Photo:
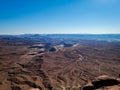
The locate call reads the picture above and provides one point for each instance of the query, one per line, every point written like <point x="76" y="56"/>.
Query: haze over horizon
<point x="60" y="16"/>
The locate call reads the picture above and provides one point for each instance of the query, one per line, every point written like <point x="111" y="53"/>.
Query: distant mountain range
<point x="101" y="37"/>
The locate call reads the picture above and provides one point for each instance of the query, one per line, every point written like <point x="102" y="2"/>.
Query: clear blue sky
<point x="59" y="16"/>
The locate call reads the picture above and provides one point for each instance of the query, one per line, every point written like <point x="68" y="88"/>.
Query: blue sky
<point x="59" y="16"/>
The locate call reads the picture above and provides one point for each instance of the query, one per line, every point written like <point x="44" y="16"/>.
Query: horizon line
<point x="64" y="34"/>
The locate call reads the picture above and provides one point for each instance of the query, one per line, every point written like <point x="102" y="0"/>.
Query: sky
<point x="59" y="16"/>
